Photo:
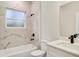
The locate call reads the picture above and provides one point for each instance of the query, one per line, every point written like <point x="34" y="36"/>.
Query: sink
<point x="74" y="46"/>
<point x="65" y="46"/>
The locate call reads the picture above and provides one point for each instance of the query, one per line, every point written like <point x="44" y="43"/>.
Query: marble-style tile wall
<point x="35" y="9"/>
<point x="11" y="37"/>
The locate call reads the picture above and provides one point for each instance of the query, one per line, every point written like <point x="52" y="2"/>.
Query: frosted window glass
<point x="15" y="18"/>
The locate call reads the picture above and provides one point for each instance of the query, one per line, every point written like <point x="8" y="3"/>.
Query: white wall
<point x="49" y="21"/>
<point x="61" y="3"/>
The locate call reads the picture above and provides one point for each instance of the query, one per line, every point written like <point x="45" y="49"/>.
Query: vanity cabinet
<point x="55" y="52"/>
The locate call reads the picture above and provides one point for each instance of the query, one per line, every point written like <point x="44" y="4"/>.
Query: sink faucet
<point x="72" y="38"/>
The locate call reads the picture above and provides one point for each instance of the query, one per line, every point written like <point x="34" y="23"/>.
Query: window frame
<point x="19" y="11"/>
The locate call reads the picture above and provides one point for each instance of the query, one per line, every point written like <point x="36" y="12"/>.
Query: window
<point x="15" y="18"/>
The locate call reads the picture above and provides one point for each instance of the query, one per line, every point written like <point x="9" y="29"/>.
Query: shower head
<point x="32" y="14"/>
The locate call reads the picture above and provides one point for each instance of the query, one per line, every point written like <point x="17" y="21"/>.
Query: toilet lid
<point x="37" y="52"/>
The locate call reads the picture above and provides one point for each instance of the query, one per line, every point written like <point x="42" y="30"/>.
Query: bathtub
<point x="20" y="51"/>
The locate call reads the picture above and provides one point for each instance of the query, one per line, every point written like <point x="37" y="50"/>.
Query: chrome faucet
<point x="72" y="38"/>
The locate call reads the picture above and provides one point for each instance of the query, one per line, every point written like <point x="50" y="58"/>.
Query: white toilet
<point x="38" y="53"/>
<point x="42" y="52"/>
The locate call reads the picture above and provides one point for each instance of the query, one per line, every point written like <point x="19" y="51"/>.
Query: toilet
<point x="38" y="53"/>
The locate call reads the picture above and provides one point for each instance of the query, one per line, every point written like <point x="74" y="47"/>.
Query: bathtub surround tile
<point x="16" y="37"/>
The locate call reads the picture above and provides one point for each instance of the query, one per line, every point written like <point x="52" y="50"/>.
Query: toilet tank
<point x="44" y="45"/>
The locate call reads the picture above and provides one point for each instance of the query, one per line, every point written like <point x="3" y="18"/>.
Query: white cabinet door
<point x="54" y="52"/>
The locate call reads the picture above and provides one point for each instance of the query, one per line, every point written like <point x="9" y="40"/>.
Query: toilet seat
<point x="38" y="53"/>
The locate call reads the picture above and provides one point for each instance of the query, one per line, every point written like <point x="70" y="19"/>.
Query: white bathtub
<point x="20" y="51"/>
